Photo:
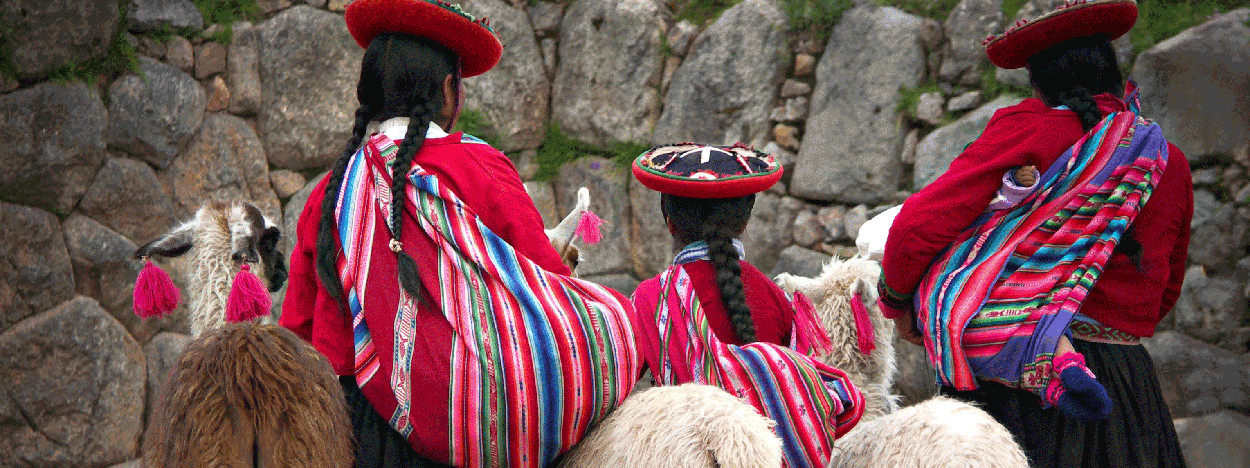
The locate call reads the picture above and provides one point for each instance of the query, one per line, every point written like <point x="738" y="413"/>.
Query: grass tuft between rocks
<point x="1158" y="20"/>
<point x="702" y="12"/>
<point x="121" y="57"/>
<point x="815" y="16"/>
<point x="226" y="13"/>
<point x="558" y="149"/>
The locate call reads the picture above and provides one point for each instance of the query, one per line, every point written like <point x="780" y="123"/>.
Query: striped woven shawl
<point x="811" y="402"/>
<point x="537" y="358"/>
<point x="994" y="304"/>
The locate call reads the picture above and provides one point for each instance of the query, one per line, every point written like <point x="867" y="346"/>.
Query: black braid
<point x="409" y="276"/>
<point x="728" y="274"/>
<point x="1080" y="101"/>
<point x="717" y="221"/>
<point x="327" y="235"/>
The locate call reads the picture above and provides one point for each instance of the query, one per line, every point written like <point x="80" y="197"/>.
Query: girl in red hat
<point x="715" y="319"/>
<point x="422" y="271"/>
<point x="1094" y="257"/>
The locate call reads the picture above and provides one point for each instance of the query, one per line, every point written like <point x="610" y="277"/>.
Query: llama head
<point x="237" y="230"/>
<point x="841" y="284"/>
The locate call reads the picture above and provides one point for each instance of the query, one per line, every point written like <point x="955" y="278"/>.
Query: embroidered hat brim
<point x="470" y="38"/>
<point x="1012" y="49"/>
<point x="725" y="171"/>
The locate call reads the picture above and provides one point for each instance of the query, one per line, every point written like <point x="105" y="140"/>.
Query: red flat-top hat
<point x="702" y="171"/>
<point x="445" y="23"/>
<point x="1077" y="18"/>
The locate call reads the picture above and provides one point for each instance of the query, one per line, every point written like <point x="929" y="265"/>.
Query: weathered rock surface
<point x="129" y="199"/>
<point x="309" y="66"/>
<point x="224" y="162"/>
<point x="513" y="97"/>
<point x="543" y="194"/>
<point x="45" y="35"/>
<point x="169" y="15"/>
<point x="1215" y="440"/>
<point x="105" y="271"/>
<point x="286" y="183"/>
<point x="151" y="117"/>
<point x="210" y="59"/>
<point x="35" y="270"/>
<point x="936" y="150"/>
<point x="74" y="389"/>
<point x="609" y="198"/>
<point x="967" y="27"/>
<point x="1219" y="238"/>
<point x="929" y="108"/>
<point x="545" y="16"/>
<point x="966" y="101"/>
<point x="179" y="53"/>
<point x="162" y="355"/>
<point x="1209" y="307"/>
<point x="53" y="138"/>
<point x="243" y="70"/>
<point x="915" y="380"/>
<point x="724" y="90"/>
<point x="770" y="229"/>
<point x="1194" y="85"/>
<point x="799" y="261"/>
<point x="609" y="66"/>
<point x="292" y="210"/>
<point x="854" y="135"/>
<point x="651" y="245"/>
<point x="1198" y="378"/>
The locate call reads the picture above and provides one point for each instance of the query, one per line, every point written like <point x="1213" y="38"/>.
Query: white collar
<point x="396" y="128"/>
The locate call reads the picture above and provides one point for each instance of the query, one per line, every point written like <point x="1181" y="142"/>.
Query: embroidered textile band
<point x="698" y="251"/>
<point x="1088" y="329"/>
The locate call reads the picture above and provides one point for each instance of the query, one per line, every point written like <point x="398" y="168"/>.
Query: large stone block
<point x="1218" y="239"/>
<point x="1198" y="378"/>
<point x="44" y="35"/>
<point x="153" y="116"/>
<point x="1210" y="307"/>
<point x="73" y="382"/>
<point x="225" y="162"/>
<point x="162" y="355"/>
<point x="915" y="380"/>
<point x="609" y="198"/>
<point x="610" y="62"/>
<point x="799" y="261"/>
<point x="936" y="151"/>
<point x="53" y="138"/>
<point x="243" y="70"/>
<point x="35" y="269"/>
<point x="968" y="25"/>
<point x="724" y="91"/>
<point x="770" y="229"/>
<point x="854" y="134"/>
<point x="650" y="243"/>
<point x="1215" y="440"/>
<point x="128" y="197"/>
<point x="170" y="15"/>
<point x="514" y="96"/>
<point x="309" y="66"/>
<point x="1194" y="85"/>
<point x="105" y="271"/>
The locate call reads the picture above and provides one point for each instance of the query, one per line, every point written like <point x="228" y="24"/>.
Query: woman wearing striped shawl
<point x="423" y="274"/>
<point x="1095" y="255"/>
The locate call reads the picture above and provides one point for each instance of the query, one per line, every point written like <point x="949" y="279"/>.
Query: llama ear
<point x="172" y="244"/>
<point x="867" y="293"/>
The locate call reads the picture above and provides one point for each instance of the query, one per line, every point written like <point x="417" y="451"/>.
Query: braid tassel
<point x="248" y="297"/>
<point x="588" y="228"/>
<point x="809" y="337"/>
<point x="155" y="293"/>
<point x="865" y="336"/>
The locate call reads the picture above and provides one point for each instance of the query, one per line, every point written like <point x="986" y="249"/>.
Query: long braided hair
<point x="400" y="76"/>
<point x="1071" y="73"/>
<point x="717" y="221"/>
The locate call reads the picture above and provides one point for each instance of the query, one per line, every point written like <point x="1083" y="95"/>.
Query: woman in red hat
<point x="1095" y="256"/>
<point x="423" y="274"/>
<point x="715" y="319"/>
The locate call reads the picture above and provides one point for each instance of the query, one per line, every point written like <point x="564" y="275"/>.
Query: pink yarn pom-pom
<point x="155" y="294"/>
<point x="588" y="228"/>
<point x="248" y="297"/>
<point x="864" y="333"/>
<point x="809" y="337"/>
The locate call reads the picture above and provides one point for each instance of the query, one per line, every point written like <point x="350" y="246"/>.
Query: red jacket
<point x="488" y="183"/>
<point x="1030" y="133"/>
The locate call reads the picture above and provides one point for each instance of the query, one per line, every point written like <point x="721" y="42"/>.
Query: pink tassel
<point x="588" y="228"/>
<point x="155" y="294"/>
<point x="248" y="297"/>
<point x="864" y="333"/>
<point x="809" y="336"/>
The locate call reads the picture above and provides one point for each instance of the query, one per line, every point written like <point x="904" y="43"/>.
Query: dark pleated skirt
<point x="377" y="444"/>
<point x="1139" y="432"/>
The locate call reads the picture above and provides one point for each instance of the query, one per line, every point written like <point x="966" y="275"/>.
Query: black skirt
<point x="377" y="443"/>
<point x="1139" y="432"/>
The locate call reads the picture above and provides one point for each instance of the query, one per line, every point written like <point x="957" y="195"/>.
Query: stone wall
<point x="95" y="168"/>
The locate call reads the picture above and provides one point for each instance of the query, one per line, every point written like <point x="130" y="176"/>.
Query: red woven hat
<point x="702" y="171"/>
<point x="1077" y="18"/>
<point x="445" y="23"/>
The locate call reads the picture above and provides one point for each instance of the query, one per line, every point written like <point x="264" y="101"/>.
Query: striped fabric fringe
<point x="811" y="402"/>
<point x="995" y="304"/>
<point x="537" y="358"/>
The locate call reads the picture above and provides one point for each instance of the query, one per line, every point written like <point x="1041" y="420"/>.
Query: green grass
<point x="1161" y="19"/>
<point x="559" y="149"/>
<point x="936" y="9"/>
<point x="703" y="11"/>
<point x="474" y="123"/>
<point x="910" y="96"/>
<point x="992" y="88"/>
<point x="120" y="57"/>
<point x="1010" y="8"/>
<point x="226" y="13"/>
<point x="815" y="16"/>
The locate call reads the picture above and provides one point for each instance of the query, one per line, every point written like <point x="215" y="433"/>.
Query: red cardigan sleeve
<point x="932" y="218"/>
<point x="1180" y="250"/>
<point x="301" y="289"/>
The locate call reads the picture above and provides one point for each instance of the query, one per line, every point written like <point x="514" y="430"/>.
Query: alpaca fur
<point x="248" y="394"/>
<point x="683" y="426"/>
<point x="221" y="239"/>
<point x="935" y="433"/>
<point x="831" y="292"/>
